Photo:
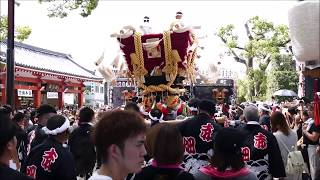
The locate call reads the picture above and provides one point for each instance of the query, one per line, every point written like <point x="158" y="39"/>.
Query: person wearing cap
<point x="227" y="162"/>
<point x="264" y="112"/>
<point x="260" y="149"/>
<point x="37" y="135"/>
<point x="8" y="151"/>
<point x="51" y="160"/>
<point x="198" y="133"/>
<point x="145" y="27"/>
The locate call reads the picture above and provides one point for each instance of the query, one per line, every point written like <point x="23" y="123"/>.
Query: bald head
<point x="251" y="113"/>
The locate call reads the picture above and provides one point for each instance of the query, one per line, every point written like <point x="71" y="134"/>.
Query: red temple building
<point x="44" y="76"/>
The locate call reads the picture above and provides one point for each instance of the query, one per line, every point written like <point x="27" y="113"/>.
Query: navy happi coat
<point x="198" y="133"/>
<point x="261" y="152"/>
<point x="50" y="161"/>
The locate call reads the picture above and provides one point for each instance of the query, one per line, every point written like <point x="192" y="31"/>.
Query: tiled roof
<point x="42" y="59"/>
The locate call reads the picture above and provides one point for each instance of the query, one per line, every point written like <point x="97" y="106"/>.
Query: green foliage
<point x="242" y="91"/>
<point x="62" y="8"/>
<point x="260" y="28"/>
<point x="283" y="75"/>
<point x="257" y="83"/>
<point x="21" y="32"/>
<point x="3" y="28"/>
<point x="266" y="43"/>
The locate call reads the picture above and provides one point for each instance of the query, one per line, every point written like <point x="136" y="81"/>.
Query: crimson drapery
<point x="316" y="103"/>
<point x="179" y="42"/>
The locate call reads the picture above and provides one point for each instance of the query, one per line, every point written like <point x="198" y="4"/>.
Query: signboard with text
<point x="24" y="93"/>
<point x="52" y="95"/>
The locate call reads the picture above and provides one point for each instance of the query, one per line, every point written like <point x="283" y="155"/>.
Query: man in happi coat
<point x="260" y="150"/>
<point x="198" y="133"/>
<point x="51" y="160"/>
<point x="37" y="135"/>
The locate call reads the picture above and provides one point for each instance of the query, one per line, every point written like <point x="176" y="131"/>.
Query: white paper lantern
<point x="304" y="30"/>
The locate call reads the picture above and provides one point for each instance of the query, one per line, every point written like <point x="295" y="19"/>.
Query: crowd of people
<point x="208" y="141"/>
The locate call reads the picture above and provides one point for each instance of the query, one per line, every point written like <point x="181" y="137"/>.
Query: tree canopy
<point x="21" y="32"/>
<point x="265" y="40"/>
<point x="266" y="43"/>
<point x="61" y="8"/>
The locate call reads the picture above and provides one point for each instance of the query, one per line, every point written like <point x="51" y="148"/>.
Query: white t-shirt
<point x="96" y="176"/>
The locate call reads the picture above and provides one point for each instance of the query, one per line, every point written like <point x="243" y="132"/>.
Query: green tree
<point x="283" y="75"/>
<point x="21" y="32"/>
<point x="61" y="8"/>
<point x="242" y="89"/>
<point x="265" y="42"/>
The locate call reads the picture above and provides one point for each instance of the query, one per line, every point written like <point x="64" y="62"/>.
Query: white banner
<point x="52" y="95"/>
<point x="24" y="93"/>
<point x="68" y="98"/>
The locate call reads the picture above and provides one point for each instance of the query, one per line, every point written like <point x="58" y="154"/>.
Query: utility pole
<point x="10" y="55"/>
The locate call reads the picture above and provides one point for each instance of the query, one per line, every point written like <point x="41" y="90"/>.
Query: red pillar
<point x="17" y="102"/>
<point x="37" y="96"/>
<point x="60" y="100"/>
<point x="80" y="97"/>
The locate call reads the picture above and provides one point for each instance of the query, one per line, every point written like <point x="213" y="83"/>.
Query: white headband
<point x="193" y="109"/>
<point x="155" y="118"/>
<point x="58" y="130"/>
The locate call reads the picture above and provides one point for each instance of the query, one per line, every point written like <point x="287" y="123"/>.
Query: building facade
<point x="42" y="76"/>
<point x="94" y="94"/>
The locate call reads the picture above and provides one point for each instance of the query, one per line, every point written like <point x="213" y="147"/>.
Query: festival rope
<point x="171" y="58"/>
<point x="160" y="88"/>
<point x="191" y="72"/>
<point x="137" y="60"/>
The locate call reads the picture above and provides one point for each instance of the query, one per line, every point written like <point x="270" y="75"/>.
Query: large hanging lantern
<point x="304" y="30"/>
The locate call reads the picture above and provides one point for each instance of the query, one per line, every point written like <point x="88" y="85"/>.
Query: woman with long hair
<point x="286" y="139"/>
